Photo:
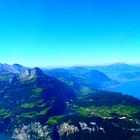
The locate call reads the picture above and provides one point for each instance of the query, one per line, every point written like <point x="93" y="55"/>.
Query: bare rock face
<point x="33" y="131"/>
<point x="30" y="73"/>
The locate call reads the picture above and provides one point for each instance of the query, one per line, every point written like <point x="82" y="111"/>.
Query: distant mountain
<point x="115" y="70"/>
<point x="82" y="79"/>
<point x="128" y="77"/>
<point x="119" y="67"/>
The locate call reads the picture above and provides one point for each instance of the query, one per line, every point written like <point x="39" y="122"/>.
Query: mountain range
<point x="127" y="75"/>
<point x="118" y="77"/>
<point x="118" y="70"/>
<point x="67" y="103"/>
<point x="81" y="79"/>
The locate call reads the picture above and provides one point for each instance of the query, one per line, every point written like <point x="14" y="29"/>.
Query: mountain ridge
<point x="36" y="105"/>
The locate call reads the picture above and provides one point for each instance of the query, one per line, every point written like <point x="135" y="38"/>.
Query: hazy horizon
<point x="68" y="33"/>
<point x="67" y="66"/>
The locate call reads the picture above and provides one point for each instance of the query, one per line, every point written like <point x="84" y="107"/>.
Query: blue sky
<point x="69" y="32"/>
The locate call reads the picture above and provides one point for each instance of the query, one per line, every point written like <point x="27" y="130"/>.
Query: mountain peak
<point x="36" y="71"/>
<point x="17" y="65"/>
<point x="30" y="73"/>
<point x="119" y="64"/>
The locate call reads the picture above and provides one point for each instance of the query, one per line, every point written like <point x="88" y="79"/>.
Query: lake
<point x="130" y="88"/>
